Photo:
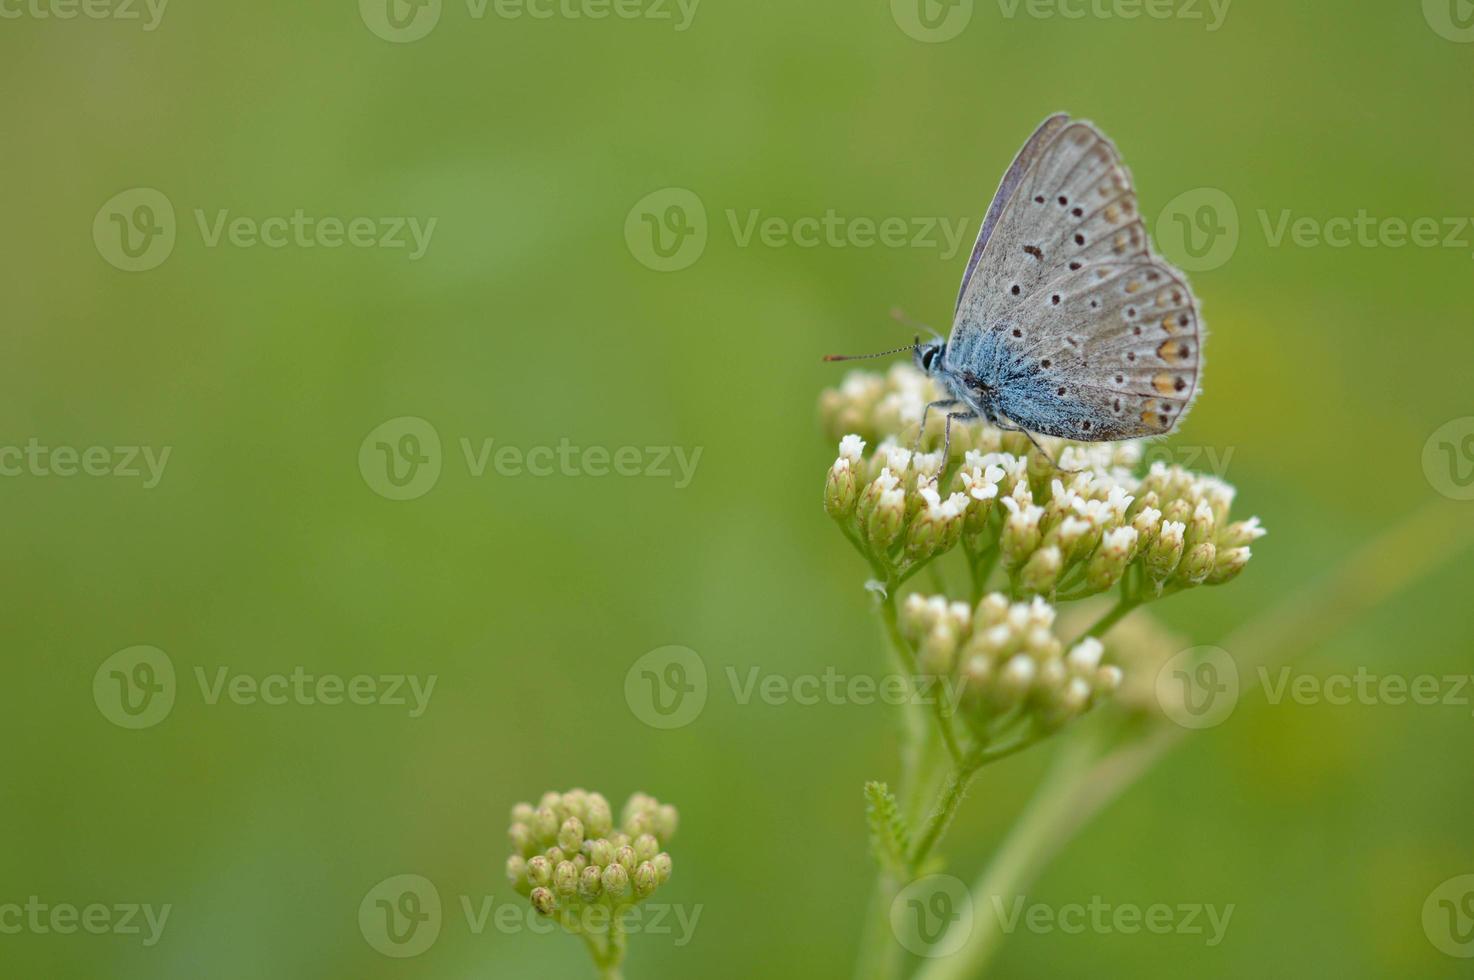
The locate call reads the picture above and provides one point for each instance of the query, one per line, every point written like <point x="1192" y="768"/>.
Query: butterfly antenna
<point x="861" y="357"/>
<point x="901" y="317"/>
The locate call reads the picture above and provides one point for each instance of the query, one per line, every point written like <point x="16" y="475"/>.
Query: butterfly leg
<point x="921" y="433"/>
<point x="947" y="432"/>
<point x="1042" y="451"/>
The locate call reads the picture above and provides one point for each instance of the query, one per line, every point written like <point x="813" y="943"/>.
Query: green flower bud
<point x="1200" y="527"/>
<point x="841" y="490"/>
<point x="1041" y="571"/>
<point x="662" y="865"/>
<point x="646" y="847"/>
<point x="1165" y="552"/>
<point x="539" y="871"/>
<point x="591" y="883"/>
<point x="1228" y="564"/>
<point x="520" y="834"/>
<point x="645" y="879"/>
<point x="616" y="881"/>
<point x="1021" y="533"/>
<point x="565" y="879"/>
<point x="599" y="819"/>
<point x="522" y="813"/>
<point x="625" y="858"/>
<point x="885" y="521"/>
<point x="600" y="852"/>
<point x="1198" y="563"/>
<point x="1109" y="562"/>
<point x="516" y="869"/>
<point x="543" y="901"/>
<point x="938" y="651"/>
<point x="545" y="826"/>
<point x="554" y="854"/>
<point x="1240" y="534"/>
<point x="570" y="835"/>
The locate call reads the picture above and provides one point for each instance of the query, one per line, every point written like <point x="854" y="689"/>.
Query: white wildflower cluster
<point x="568" y="857"/>
<point x="1066" y="531"/>
<point x="1012" y="673"/>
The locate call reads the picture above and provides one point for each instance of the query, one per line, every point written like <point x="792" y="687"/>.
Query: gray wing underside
<point x="1103" y="336"/>
<point x="1006" y="188"/>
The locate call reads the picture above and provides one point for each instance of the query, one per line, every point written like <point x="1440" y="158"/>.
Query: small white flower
<point x="1085" y="656"/>
<point x="851" y="448"/>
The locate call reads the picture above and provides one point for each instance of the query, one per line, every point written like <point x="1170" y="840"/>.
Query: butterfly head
<point x="928" y="356"/>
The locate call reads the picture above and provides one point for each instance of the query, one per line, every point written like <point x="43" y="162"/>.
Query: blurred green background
<point x="530" y="319"/>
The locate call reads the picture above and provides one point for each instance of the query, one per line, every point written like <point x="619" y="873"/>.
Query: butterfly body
<point x="1067" y="323"/>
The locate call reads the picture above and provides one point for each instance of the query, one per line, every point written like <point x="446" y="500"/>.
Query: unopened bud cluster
<point x="1009" y="669"/>
<point x="569" y="855"/>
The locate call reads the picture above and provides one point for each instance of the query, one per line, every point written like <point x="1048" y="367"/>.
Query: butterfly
<point x="1067" y="323"/>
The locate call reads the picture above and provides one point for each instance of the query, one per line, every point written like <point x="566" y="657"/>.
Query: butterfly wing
<point x="1007" y="188"/>
<point x="1097" y="337"/>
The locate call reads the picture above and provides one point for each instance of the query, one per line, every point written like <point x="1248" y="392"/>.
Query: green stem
<point x="1016" y="861"/>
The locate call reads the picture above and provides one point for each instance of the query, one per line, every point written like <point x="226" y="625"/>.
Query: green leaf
<point x="888" y="835"/>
